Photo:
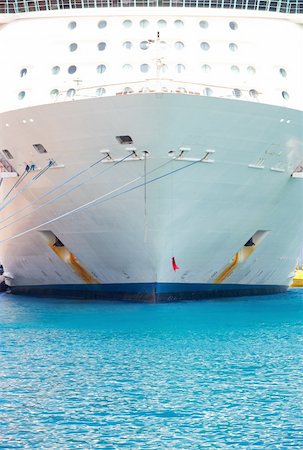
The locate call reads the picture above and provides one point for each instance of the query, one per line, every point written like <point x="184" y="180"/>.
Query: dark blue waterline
<point x="148" y="292"/>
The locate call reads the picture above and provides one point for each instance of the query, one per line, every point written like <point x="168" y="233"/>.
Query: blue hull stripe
<point x="148" y="292"/>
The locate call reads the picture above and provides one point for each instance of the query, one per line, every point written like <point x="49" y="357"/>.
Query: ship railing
<point x="155" y="85"/>
<point x="23" y="6"/>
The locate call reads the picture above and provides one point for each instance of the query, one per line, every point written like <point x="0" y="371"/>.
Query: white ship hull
<point x="201" y="215"/>
<point x="212" y="185"/>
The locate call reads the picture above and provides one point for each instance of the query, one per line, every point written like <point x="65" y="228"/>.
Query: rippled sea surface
<point x="225" y="374"/>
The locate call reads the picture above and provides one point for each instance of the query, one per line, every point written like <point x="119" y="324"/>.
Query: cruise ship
<point x="150" y="150"/>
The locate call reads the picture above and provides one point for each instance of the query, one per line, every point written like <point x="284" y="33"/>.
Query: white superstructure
<point x="138" y="138"/>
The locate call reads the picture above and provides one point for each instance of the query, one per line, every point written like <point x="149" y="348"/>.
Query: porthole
<point x="101" y="46"/>
<point x="179" y="23"/>
<point x="235" y="69"/>
<point x="73" y="47"/>
<point x="164" y="68"/>
<point x="72" y="25"/>
<point x="204" y="46"/>
<point x="285" y="95"/>
<point x="144" y="23"/>
<point x="233" y="25"/>
<point x="203" y="24"/>
<point x="21" y="95"/>
<point x="251" y="70"/>
<point x="127" y="23"/>
<point x="71" y="93"/>
<point x="237" y="93"/>
<point x="101" y="68"/>
<point x="144" y="68"/>
<point x="127" y="67"/>
<point x="72" y="69"/>
<point x="253" y="93"/>
<point x="144" y="45"/>
<point x="127" y="45"/>
<point x="163" y="45"/>
<point x="55" y="70"/>
<point x="233" y="47"/>
<point x="283" y="72"/>
<point x="206" y="68"/>
<point x="54" y="93"/>
<point x="102" y="24"/>
<point x="161" y="23"/>
<point x="208" y="92"/>
<point x="180" y="68"/>
<point x="179" y="45"/>
<point x="100" y="91"/>
<point x="23" y="72"/>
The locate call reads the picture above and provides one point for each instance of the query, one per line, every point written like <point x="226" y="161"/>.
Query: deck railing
<point x="158" y="86"/>
<point x="21" y="6"/>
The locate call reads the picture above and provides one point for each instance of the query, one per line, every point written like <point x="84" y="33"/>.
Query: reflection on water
<point x="202" y="375"/>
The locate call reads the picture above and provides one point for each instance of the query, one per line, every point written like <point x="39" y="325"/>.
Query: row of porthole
<point x="181" y="68"/>
<point x="101" y="91"/>
<point x="235" y="69"/>
<point x="144" y="23"/>
<point x="101" y="68"/>
<point x="207" y="91"/>
<point x="232" y="46"/>
<point x="145" y="45"/>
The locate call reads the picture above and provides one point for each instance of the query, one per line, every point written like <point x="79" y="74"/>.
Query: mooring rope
<point x="51" y="162"/>
<point x="99" y="200"/>
<point x="25" y="173"/>
<point x="145" y="198"/>
<point x="140" y="185"/>
<point x="58" y="187"/>
<point x="27" y="185"/>
<point x="52" y="200"/>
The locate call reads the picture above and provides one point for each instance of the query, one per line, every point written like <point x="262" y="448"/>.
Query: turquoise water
<point x="225" y="374"/>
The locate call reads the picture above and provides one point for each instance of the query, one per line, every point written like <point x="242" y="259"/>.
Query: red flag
<point x="173" y="262"/>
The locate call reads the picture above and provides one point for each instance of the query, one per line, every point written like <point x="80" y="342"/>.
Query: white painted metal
<point x="202" y="215"/>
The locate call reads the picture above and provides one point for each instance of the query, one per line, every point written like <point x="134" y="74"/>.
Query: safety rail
<point x="22" y="6"/>
<point x="158" y="86"/>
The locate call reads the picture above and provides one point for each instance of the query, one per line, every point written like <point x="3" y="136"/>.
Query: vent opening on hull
<point x="298" y="172"/>
<point x="5" y="166"/>
<point x="7" y="154"/>
<point x="39" y="148"/>
<point x="68" y="257"/>
<point x="241" y="256"/>
<point x="123" y="139"/>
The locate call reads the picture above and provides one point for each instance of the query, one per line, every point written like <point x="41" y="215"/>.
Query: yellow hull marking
<point x="228" y="270"/>
<point x="69" y="258"/>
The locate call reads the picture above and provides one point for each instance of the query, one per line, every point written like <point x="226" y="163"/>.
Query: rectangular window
<point x="124" y="139"/>
<point x="39" y="148"/>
